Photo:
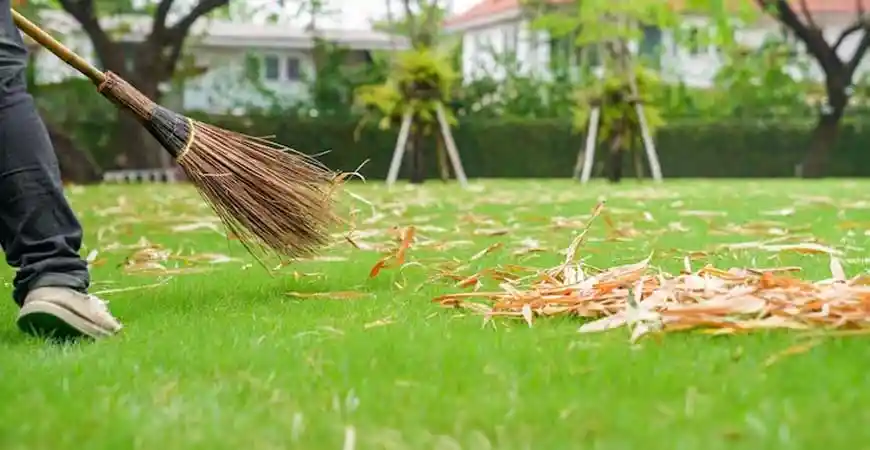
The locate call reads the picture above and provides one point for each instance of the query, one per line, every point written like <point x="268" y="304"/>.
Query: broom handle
<point x="53" y="45"/>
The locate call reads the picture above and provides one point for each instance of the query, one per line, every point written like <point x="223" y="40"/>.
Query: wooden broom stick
<point x="273" y="199"/>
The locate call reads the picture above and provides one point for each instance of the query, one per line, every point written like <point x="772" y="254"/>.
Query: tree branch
<point x="160" y="16"/>
<point x="180" y="30"/>
<point x="805" y="10"/>
<point x="860" y="50"/>
<point x="172" y="60"/>
<point x="178" y="33"/>
<point x="105" y="48"/>
<point x="411" y="21"/>
<point x="846" y="33"/>
<point x="811" y="37"/>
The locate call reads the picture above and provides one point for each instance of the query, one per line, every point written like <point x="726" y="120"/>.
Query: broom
<point x="273" y="199"/>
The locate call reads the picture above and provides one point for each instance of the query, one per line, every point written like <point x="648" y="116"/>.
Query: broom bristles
<point x="273" y="199"/>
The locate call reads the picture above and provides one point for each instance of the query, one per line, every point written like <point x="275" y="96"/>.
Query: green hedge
<point x="548" y="148"/>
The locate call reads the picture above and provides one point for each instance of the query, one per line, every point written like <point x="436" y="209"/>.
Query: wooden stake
<point x="648" y="144"/>
<point x="399" y="152"/>
<point x="452" y="152"/>
<point x="591" y="138"/>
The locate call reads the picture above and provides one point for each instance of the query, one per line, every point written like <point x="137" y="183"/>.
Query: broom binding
<point x="174" y="131"/>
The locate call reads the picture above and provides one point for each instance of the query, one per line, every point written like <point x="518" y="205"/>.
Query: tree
<point x="77" y="164"/>
<point x="604" y="28"/>
<point x="839" y="72"/>
<point x="757" y="82"/>
<point x="146" y="64"/>
<point x="421" y="79"/>
<point x="599" y="33"/>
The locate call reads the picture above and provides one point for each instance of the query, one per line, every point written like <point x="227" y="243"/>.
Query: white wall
<point x="225" y="88"/>
<point x="678" y="63"/>
<point x="531" y="49"/>
<point x="222" y="89"/>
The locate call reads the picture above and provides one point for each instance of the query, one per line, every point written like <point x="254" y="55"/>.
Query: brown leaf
<point x="791" y="351"/>
<point x="338" y="295"/>
<point x="397" y="257"/>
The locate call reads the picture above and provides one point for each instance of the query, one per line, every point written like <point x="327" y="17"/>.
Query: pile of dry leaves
<point x="648" y="301"/>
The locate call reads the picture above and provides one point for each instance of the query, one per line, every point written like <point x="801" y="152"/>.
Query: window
<point x="294" y="69"/>
<point x="509" y="34"/>
<point x="278" y="68"/>
<point x="650" y="44"/>
<point x="271" y="70"/>
<point x="694" y="43"/>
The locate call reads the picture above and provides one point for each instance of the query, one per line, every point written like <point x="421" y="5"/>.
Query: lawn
<point x="217" y="353"/>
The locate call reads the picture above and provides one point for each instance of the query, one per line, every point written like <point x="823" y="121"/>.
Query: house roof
<point x="222" y="33"/>
<point x="485" y="10"/>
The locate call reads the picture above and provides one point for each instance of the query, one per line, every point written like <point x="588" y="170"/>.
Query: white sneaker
<point x="65" y="313"/>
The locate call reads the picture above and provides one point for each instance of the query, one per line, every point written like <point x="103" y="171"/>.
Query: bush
<point x="522" y="148"/>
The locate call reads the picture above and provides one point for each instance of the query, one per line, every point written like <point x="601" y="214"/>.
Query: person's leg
<point x="39" y="233"/>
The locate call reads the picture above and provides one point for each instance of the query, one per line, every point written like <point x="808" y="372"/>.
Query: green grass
<point x="227" y="359"/>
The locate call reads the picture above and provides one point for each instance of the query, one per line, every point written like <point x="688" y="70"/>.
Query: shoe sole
<point x="45" y="319"/>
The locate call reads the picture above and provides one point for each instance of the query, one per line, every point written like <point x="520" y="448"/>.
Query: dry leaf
<point x="648" y="301"/>
<point x="486" y="251"/>
<point x="340" y="295"/>
<point x="397" y="257"/>
<point x="791" y="351"/>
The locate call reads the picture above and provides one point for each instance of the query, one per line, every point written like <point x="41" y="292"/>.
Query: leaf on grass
<point x="527" y="314"/>
<point x="780" y="212"/>
<point x="492" y="232"/>
<point x="339" y="295"/>
<point x="806" y="248"/>
<point x="837" y="272"/>
<point x="571" y="253"/>
<point x="196" y="226"/>
<point x="487" y="251"/>
<point x="699" y="213"/>
<point x="528" y="246"/>
<point x="791" y="351"/>
<point x="678" y="227"/>
<point x="648" y="301"/>
<point x="379" y="323"/>
<point x="397" y="257"/>
<point x="326" y="258"/>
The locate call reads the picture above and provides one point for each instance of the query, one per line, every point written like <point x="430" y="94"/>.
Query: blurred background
<point x="759" y="88"/>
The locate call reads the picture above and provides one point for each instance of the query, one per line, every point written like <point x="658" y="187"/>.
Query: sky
<point x="357" y="14"/>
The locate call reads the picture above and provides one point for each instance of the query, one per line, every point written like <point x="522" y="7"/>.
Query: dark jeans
<point x="39" y="233"/>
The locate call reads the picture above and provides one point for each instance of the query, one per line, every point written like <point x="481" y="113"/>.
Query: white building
<point x="223" y="52"/>
<point x="502" y="27"/>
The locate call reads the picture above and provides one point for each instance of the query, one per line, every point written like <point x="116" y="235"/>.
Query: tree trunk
<point x="638" y="163"/>
<point x="824" y="137"/>
<point x="615" y="154"/>
<point x="418" y="175"/>
<point x="76" y="165"/>
<point x="137" y="149"/>
<point x="614" y="160"/>
<point x="823" y="140"/>
<point x="443" y="165"/>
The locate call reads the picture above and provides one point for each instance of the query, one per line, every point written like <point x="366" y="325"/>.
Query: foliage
<point x="419" y="81"/>
<point x="515" y="94"/>
<point x="332" y="89"/>
<point x="618" y="115"/>
<point x="758" y="82"/>
<point x="85" y="122"/>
